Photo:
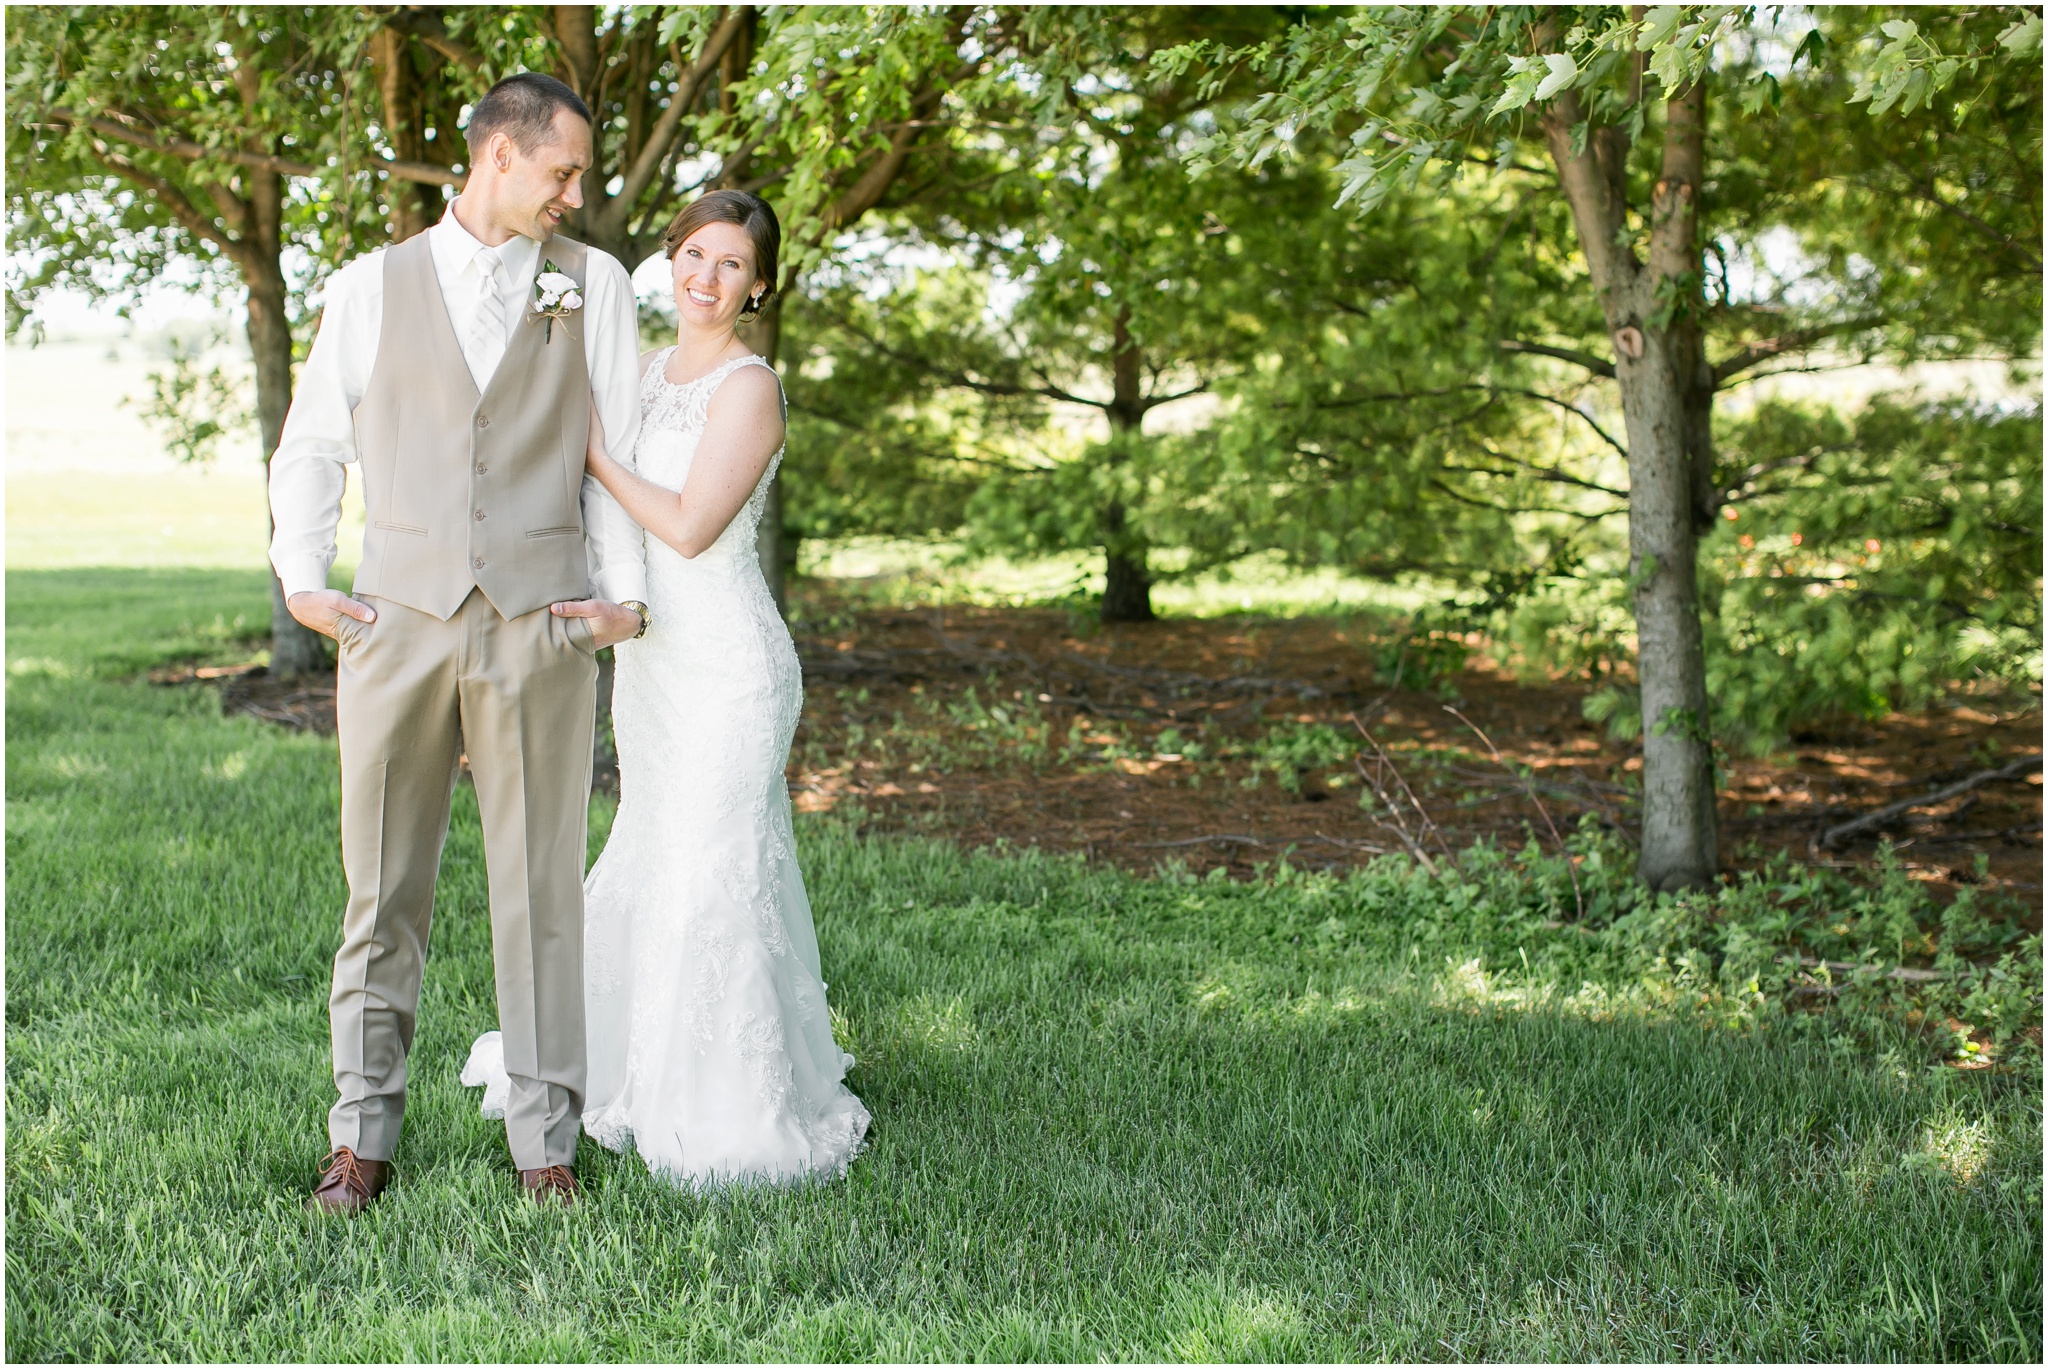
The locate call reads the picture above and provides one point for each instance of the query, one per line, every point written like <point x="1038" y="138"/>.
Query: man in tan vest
<point x="458" y="370"/>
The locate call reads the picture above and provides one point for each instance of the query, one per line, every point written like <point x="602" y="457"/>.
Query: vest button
<point x="481" y="468"/>
<point x="483" y="420"/>
<point x="477" y="562"/>
<point x="479" y="515"/>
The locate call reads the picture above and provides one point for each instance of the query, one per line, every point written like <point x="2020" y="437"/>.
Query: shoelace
<point x="342" y="1167"/>
<point x="555" y="1177"/>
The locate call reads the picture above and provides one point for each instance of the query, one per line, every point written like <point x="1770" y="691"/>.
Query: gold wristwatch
<point x="645" y="618"/>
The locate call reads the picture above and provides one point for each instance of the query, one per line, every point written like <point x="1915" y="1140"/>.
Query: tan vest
<point x="466" y="490"/>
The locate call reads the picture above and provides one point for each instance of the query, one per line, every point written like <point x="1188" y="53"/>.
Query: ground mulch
<point x="1110" y="691"/>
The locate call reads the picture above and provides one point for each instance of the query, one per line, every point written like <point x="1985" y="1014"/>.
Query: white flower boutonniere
<point x="555" y="296"/>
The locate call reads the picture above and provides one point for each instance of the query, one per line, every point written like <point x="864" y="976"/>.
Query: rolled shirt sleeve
<point x="307" y="472"/>
<point x="616" y="545"/>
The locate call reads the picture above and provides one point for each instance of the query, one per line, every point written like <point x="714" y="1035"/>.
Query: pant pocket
<point x="580" y="635"/>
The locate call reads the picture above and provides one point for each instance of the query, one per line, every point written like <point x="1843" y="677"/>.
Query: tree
<point x="1130" y="293"/>
<point x="140" y="135"/>
<point x="1618" y="104"/>
<point x="842" y="103"/>
<point x="1072" y="197"/>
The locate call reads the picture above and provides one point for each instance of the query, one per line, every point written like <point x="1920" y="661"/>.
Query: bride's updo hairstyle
<point x="750" y="212"/>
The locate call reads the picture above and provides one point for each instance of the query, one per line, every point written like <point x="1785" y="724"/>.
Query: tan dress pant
<point x="411" y="690"/>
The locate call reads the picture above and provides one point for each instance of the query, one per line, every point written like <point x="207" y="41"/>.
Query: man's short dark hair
<point x="523" y="108"/>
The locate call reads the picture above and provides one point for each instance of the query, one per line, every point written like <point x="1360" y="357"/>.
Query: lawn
<point x="1300" y="1117"/>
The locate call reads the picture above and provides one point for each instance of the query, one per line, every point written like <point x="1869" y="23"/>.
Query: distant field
<point x="89" y="483"/>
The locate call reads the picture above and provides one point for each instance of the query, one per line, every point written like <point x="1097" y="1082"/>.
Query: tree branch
<point x="130" y="130"/>
<point x="688" y="83"/>
<point x="1794" y="341"/>
<point x="1544" y="473"/>
<point x="174" y="200"/>
<point x="865" y="192"/>
<point x="1155" y="401"/>
<point x="1445" y="487"/>
<point x="967" y="382"/>
<point x="1598" y="366"/>
<point x="426" y="173"/>
<point x="1925" y="189"/>
<point x="868" y="190"/>
<point x="426" y="25"/>
<point x="1571" y="409"/>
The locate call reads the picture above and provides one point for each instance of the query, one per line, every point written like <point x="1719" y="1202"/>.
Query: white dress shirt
<point x="486" y="290"/>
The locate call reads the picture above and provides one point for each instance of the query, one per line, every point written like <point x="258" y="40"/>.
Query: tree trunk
<point x="1679" y="840"/>
<point x="1652" y="310"/>
<point x="294" y="648"/>
<point x="413" y="206"/>
<point x="1126" y="582"/>
<point x="772" y="543"/>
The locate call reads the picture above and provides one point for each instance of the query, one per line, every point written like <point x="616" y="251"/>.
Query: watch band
<point x="646" y="619"/>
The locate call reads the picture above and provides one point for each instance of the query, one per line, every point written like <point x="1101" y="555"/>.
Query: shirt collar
<point x="455" y="247"/>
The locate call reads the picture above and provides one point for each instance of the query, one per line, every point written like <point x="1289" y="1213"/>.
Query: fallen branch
<point x="1578" y="895"/>
<point x="1900" y="972"/>
<point x="1797" y="817"/>
<point x="1383" y="765"/>
<point x="1364" y="846"/>
<point x="1869" y="821"/>
<point x="1198" y="841"/>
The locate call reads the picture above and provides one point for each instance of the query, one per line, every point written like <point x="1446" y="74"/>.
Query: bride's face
<point x="714" y="273"/>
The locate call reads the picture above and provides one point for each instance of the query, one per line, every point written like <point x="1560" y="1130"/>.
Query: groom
<point x="492" y="572"/>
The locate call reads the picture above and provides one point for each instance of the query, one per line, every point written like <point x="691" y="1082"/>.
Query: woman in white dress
<point x="710" y="1045"/>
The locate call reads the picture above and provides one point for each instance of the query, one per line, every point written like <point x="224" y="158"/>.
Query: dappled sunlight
<point x="1468" y="984"/>
<point x="42" y="665"/>
<point x="75" y="767"/>
<point x="1960" y="1147"/>
<point x="229" y="767"/>
<point x="934" y="1023"/>
<point x="1216" y="1319"/>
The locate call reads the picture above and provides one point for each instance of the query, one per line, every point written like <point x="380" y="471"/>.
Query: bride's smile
<point x="714" y="272"/>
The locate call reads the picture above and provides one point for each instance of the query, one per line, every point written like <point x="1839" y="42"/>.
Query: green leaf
<point x="1563" y="71"/>
<point x="2022" y="37"/>
<point x="1658" y="26"/>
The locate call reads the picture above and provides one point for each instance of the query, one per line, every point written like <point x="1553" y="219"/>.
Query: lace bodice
<point x="672" y="419"/>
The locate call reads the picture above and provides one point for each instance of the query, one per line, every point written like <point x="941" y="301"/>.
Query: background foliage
<point x="1186" y="287"/>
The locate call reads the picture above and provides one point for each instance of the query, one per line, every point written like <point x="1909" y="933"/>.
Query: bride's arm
<point x="742" y="431"/>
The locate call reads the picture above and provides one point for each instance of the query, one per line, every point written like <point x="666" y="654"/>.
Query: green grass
<point x="1115" y="1118"/>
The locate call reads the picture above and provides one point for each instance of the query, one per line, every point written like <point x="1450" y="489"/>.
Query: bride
<point x="710" y="1045"/>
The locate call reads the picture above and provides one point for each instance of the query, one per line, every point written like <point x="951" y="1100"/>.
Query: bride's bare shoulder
<point x="751" y="389"/>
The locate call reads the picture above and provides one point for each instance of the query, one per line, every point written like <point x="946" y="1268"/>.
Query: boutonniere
<point x="554" y="296"/>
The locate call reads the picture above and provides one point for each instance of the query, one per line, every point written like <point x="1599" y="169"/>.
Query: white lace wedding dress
<point x="710" y="1045"/>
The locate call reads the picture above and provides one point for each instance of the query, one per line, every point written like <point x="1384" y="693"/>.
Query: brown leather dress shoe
<point x="347" y="1184"/>
<point x="555" y="1181"/>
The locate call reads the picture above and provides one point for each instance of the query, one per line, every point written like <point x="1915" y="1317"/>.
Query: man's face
<point x="543" y="185"/>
